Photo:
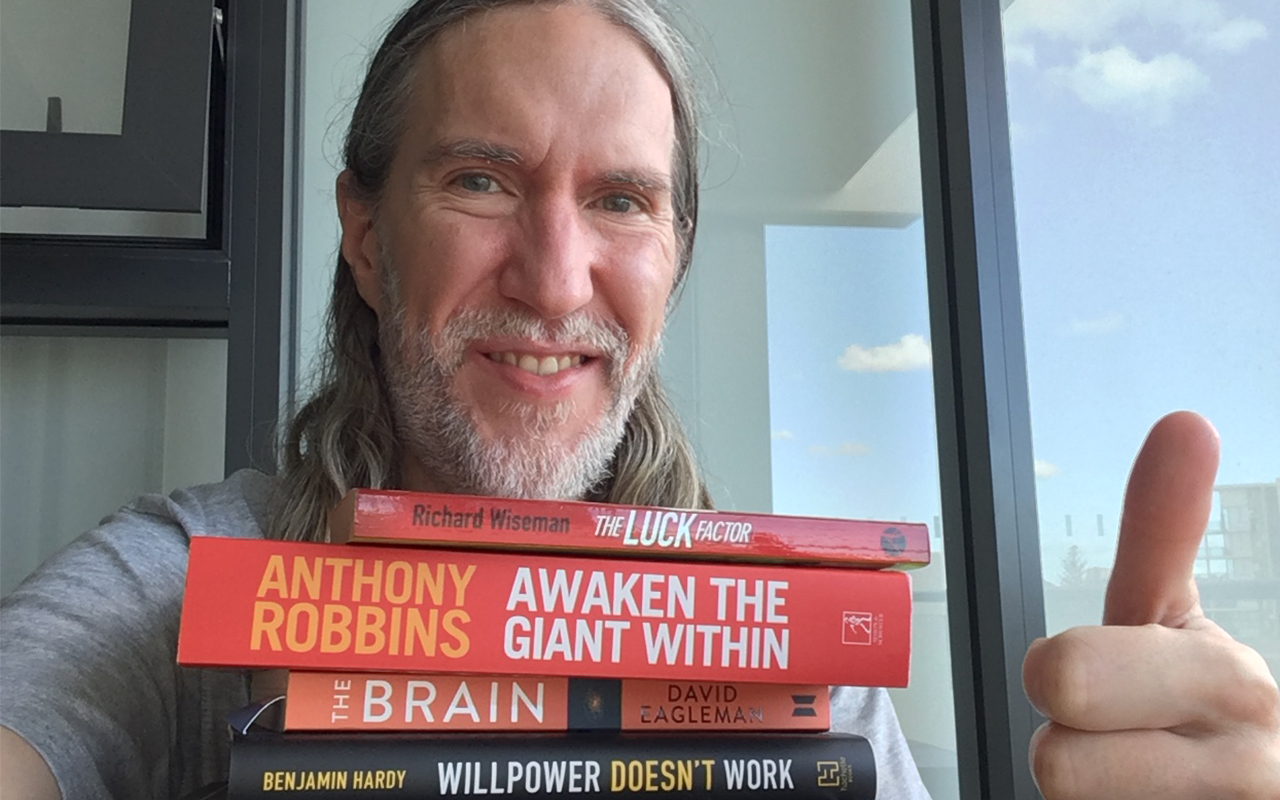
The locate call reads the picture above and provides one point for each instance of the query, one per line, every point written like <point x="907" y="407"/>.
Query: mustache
<point x="576" y="331"/>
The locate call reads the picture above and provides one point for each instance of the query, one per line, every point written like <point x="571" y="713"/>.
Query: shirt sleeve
<point x="90" y="642"/>
<point x="869" y="713"/>
<point x="89" y="661"/>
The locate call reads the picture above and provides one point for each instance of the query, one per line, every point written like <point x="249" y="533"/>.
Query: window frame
<point x="156" y="162"/>
<point x="238" y="285"/>
<point x="232" y="285"/>
<point x="995" y="594"/>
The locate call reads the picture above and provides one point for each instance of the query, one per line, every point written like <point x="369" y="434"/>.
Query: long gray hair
<point x="344" y="437"/>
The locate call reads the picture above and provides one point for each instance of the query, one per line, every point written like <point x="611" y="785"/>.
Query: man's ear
<point x="360" y="243"/>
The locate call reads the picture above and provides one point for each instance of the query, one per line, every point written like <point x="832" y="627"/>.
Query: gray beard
<point x="441" y="433"/>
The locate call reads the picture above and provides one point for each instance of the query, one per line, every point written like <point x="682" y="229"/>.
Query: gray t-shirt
<point x="88" y="646"/>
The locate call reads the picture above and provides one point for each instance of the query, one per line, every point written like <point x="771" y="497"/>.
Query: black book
<point x="520" y="766"/>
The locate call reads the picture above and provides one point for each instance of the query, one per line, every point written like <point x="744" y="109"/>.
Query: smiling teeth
<point x="547" y="365"/>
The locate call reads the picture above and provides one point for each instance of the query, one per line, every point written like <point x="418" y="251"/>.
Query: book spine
<point x="341" y="701"/>
<point x="367" y="516"/>
<point x="303" y="606"/>
<point x="587" y="766"/>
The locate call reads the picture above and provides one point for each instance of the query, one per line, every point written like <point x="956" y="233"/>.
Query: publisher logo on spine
<point x="857" y="628"/>
<point x="804" y="705"/>
<point x="893" y="541"/>
<point x="834" y="774"/>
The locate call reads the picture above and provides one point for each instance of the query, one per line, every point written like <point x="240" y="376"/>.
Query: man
<point x="517" y="210"/>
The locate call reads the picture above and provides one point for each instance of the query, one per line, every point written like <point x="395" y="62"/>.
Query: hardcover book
<point x="426" y="767"/>
<point x="343" y="701"/>
<point x="304" y="606"/>
<point x="450" y="520"/>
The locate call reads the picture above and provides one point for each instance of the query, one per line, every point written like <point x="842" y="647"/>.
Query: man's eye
<point x="476" y="182"/>
<point x="619" y="204"/>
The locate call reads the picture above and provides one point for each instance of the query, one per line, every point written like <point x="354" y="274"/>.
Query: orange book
<point x="295" y="605"/>
<point x="339" y="701"/>
<point x="369" y="516"/>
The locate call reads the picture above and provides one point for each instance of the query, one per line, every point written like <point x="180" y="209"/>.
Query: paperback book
<point x="304" y="606"/>
<point x="429" y="767"/>
<point x="450" y="520"/>
<point x="339" y="701"/>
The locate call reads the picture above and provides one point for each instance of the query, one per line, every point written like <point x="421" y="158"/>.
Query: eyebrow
<point x="644" y="179"/>
<point x="484" y="150"/>
<point x="471" y="149"/>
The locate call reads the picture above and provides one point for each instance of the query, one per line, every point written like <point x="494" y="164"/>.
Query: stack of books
<point x="453" y="646"/>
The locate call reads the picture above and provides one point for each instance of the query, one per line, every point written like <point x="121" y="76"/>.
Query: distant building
<point x="1243" y="543"/>
<point x="1238" y="568"/>
<point x="1097" y="575"/>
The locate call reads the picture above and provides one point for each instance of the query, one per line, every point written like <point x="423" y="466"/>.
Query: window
<point x="1145" y="174"/>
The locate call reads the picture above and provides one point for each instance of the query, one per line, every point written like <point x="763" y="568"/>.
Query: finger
<point x="1140" y="765"/>
<point x="1104" y="678"/>
<point x="1166" y="509"/>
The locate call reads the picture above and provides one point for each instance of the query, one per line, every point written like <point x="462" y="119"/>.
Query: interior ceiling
<point x="808" y="93"/>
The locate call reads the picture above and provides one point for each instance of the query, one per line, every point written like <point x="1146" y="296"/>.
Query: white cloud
<point x="1098" y="326"/>
<point x="856" y="449"/>
<point x="1116" y="79"/>
<point x="1235" y="35"/>
<point x="1094" y="23"/>
<point x="908" y="353"/>
<point x="1019" y="51"/>
<point x="783" y="435"/>
<point x="1045" y="470"/>
<point x="1106" y="74"/>
<point x="1077" y="21"/>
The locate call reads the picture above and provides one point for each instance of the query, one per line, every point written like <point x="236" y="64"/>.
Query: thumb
<point x="1166" y="509"/>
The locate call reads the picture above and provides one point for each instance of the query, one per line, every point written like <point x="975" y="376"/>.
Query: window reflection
<point x="62" y="65"/>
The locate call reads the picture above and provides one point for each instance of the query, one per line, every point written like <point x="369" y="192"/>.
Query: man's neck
<point x="415" y="478"/>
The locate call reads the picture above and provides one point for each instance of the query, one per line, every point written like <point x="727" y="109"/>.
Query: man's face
<point x="523" y="251"/>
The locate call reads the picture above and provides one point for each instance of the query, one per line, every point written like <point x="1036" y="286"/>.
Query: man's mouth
<point x="538" y="365"/>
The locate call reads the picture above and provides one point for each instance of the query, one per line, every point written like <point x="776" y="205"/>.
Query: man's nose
<point x="551" y="270"/>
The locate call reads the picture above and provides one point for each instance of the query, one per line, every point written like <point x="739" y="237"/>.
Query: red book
<point x="395" y="701"/>
<point x="295" y="605"/>
<point x="451" y="520"/>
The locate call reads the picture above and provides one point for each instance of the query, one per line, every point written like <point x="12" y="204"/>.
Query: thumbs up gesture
<point x="1158" y="701"/>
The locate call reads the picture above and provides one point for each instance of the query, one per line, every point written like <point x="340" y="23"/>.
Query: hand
<point x="1158" y="701"/>
<point x="25" y="772"/>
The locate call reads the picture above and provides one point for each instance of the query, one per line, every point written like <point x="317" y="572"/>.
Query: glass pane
<point x="1145" y="168"/>
<point x="64" y="68"/>
<point x="852" y="421"/>
<point x="102" y="222"/>
<point x="62" y="65"/>
<point x="90" y="423"/>
<point x="338" y="39"/>
<point x="800" y="353"/>
<point x="810" y="216"/>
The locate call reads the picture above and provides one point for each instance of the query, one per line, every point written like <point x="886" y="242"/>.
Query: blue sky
<point x="1148" y="198"/>
<point x="853" y="425"/>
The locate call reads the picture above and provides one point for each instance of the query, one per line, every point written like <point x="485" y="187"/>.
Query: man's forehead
<point x="502" y="78"/>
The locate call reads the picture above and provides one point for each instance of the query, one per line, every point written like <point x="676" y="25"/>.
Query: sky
<point x="1147" y="192"/>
